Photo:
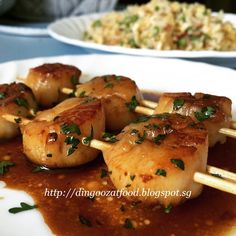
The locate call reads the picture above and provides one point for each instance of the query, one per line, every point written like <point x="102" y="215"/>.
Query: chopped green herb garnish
<point x="70" y="128"/>
<point x="82" y="94"/>
<point x="141" y="138"/>
<point x="217" y="175"/>
<point x="4" y="166"/>
<point x="178" y="163"/>
<point x="168" y="208"/>
<point x="21" y="102"/>
<point x="87" y="140"/>
<point x="157" y="8"/>
<point x="17" y="120"/>
<point x="132" y="177"/>
<point x="128" y="224"/>
<point x="2" y="95"/>
<point x="205" y="113"/>
<point x="156" y="31"/>
<point x="23" y="207"/>
<point x="109" y="85"/>
<point x="97" y="23"/>
<point x="152" y="126"/>
<point x="40" y="169"/>
<point x="74" y="79"/>
<point x="105" y="173"/>
<point x="118" y="77"/>
<point x="128" y="20"/>
<point x="109" y="137"/>
<point x="182" y="42"/>
<point x="161" y="172"/>
<point x="89" y="99"/>
<point x="74" y="142"/>
<point x="84" y="221"/>
<point x="132" y="104"/>
<point x="178" y="103"/>
<point x="159" y="138"/>
<point x="134" y="131"/>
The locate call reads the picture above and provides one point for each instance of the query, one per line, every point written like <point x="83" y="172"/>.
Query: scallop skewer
<point x="213" y="111"/>
<point x="177" y="160"/>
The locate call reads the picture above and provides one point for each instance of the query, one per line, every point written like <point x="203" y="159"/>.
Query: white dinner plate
<point x="70" y="30"/>
<point x="149" y="73"/>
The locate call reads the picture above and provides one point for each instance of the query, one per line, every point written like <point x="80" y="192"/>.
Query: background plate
<point x="149" y="73"/>
<point x="70" y="30"/>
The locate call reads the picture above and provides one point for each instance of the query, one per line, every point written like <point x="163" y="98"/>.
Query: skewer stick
<point x="223" y="173"/>
<point x="228" y="132"/>
<point x="144" y="110"/>
<point x="149" y="104"/>
<point x="201" y="178"/>
<point x="16" y="119"/>
<point x="215" y="182"/>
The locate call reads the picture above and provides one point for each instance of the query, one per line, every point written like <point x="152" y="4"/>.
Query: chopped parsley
<point x="160" y="172"/>
<point x="132" y="177"/>
<point x="182" y="42"/>
<point x="97" y="23"/>
<point x="74" y="79"/>
<point x="23" y="207"/>
<point x="152" y="126"/>
<point x="111" y="138"/>
<point x="217" y="175"/>
<point x="132" y="104"/>
<point x="82" y="94"/>
<point x="109" y="85"/>
<point x="141" y="138"/>
<point x="178" y="163"/>
<point x="2" y="95"/>
<point x="4" y="166"/>
<point x="205" y="113"/>
<point x="168" y="209"/>
<point x="159" y="138"/>
<point x="87" y="140"/>
<point x="105" y="173"/>
<point x="21" y="102"/>
<point x="178" y="103"/>
<point x="70" y="128"/>
<point x="85" y="221"/>
<point x="128" y="20"/>
<point x="17" y="120"/>
<point x="118" y="77"/>
<point x="134" y="131"/>
<point x="89" y="99"/>
<point x="74" y="142"/>
<point x="128" y="224"/>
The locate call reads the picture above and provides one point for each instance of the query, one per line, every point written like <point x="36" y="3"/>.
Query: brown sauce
<point x="212" y="213"/>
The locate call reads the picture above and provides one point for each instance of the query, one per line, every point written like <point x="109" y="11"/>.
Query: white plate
<point x="24" y="31"/>
<point x="71" y="30"/>
<point x="149" y="73"/>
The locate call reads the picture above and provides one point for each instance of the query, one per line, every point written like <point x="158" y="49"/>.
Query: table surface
<point x="16" y="47"/>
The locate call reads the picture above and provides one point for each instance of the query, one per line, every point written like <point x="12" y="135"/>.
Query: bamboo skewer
<point x="202" y="178"/>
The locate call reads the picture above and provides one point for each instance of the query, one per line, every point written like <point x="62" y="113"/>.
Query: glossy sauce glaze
<point x="212" y="213"/>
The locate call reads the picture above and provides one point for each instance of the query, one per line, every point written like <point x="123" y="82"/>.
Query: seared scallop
<point x="120" y="95"/>
<point x="54" y="140"/>
<point x="47" y="80"/>
<point x="159" y="153"/>
<point x="16" y="99"/>
<point x="213" y="111"/>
